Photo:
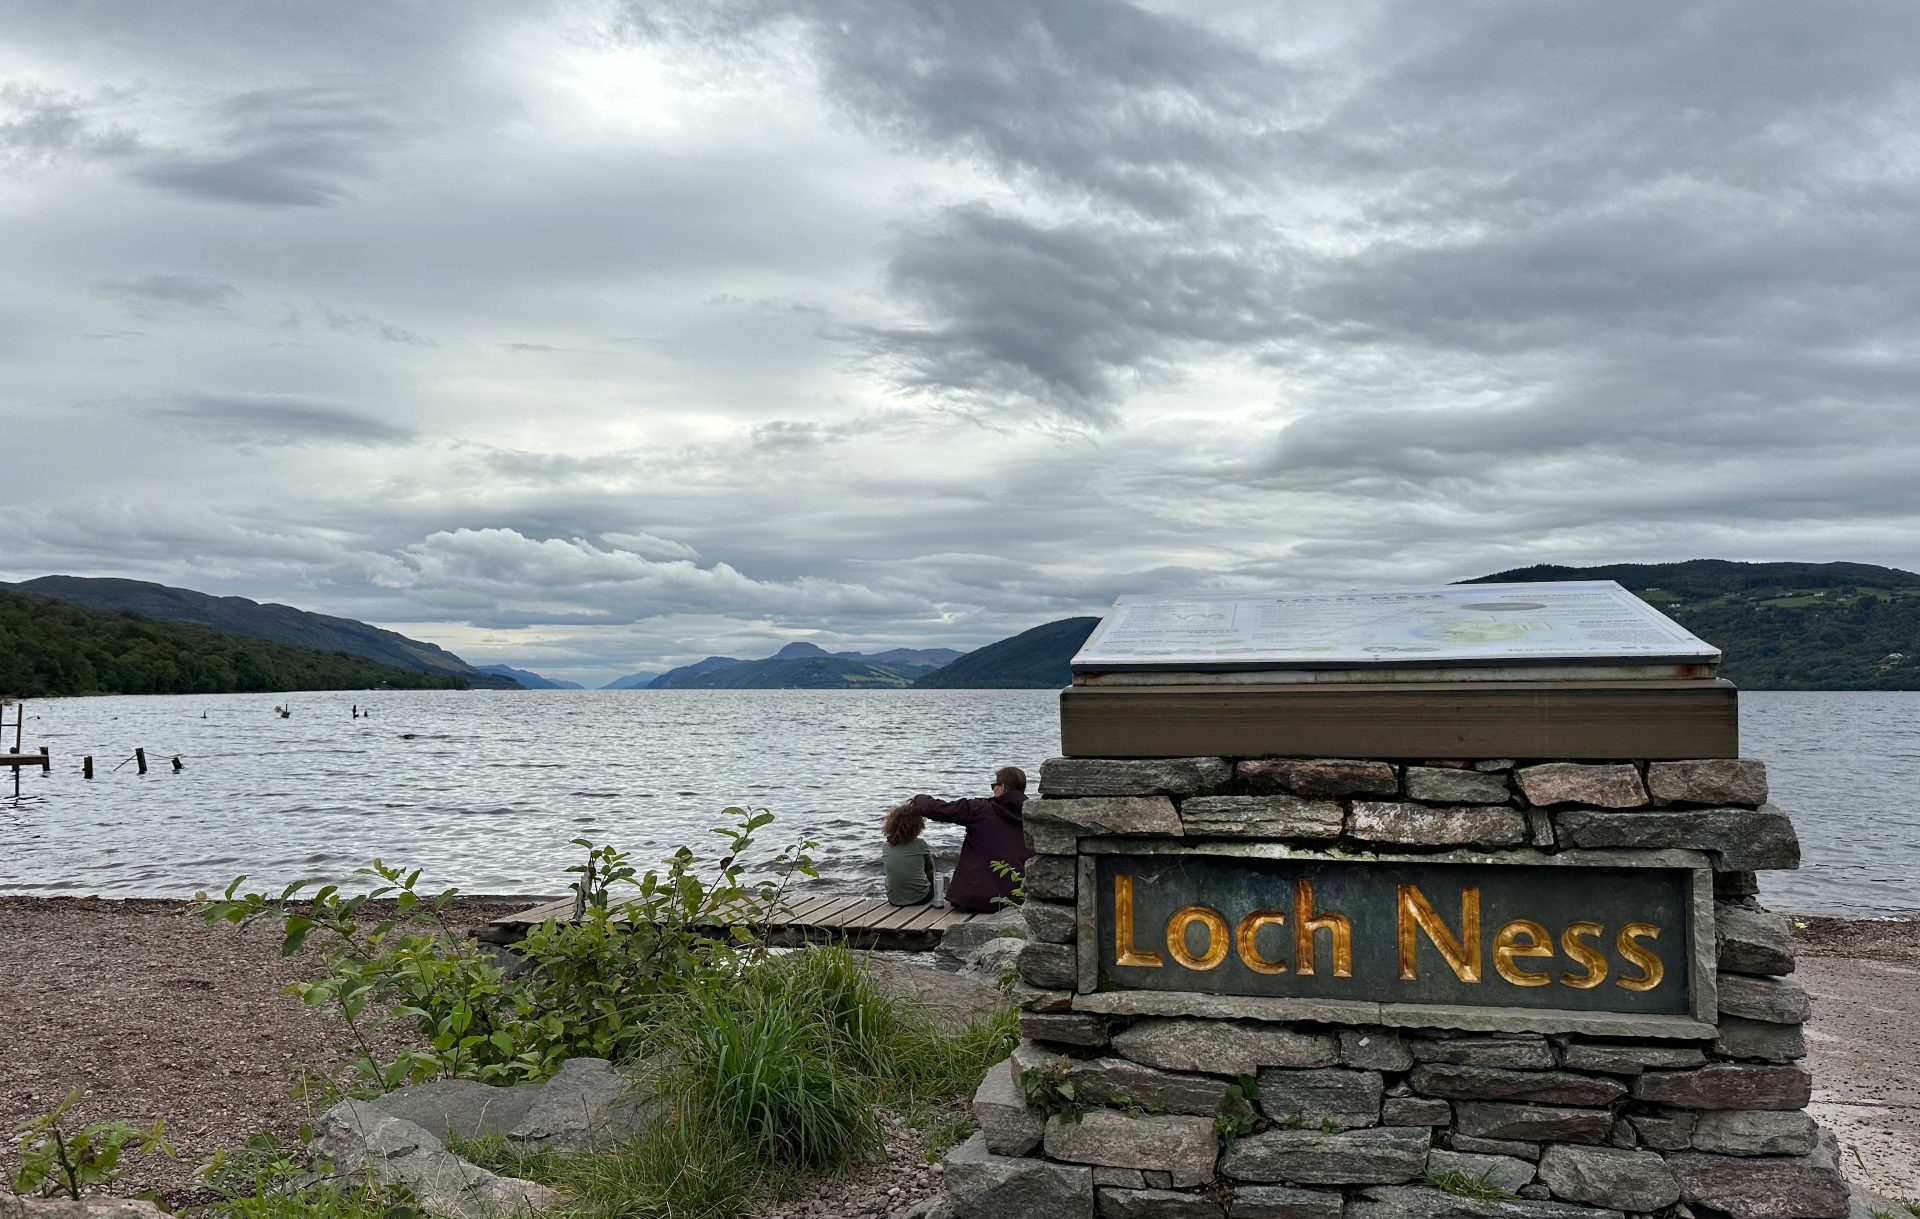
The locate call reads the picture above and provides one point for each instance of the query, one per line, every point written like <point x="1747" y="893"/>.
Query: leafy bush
<point x="53" y="1161"/>
<point x="592" y="985"/>
<point x="776" y="1064"/>
<point x="263" y="1180"/>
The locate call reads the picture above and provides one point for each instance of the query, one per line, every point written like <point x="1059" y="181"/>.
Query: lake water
<point x="485" y="789"/>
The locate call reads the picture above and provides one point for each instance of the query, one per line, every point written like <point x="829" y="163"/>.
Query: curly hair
<point x="902" y="825"/>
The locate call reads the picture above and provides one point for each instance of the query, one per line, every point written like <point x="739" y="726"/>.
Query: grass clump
<point x="776" y="1076"/>
<point x="680" y="1167"/>
<point x="1461" y="1185"/>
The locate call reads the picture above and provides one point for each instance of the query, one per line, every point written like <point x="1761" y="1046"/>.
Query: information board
<point x="1586" y="622"/>
<point x="1575" y="938"/>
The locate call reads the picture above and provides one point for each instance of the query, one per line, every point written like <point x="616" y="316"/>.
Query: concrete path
<point x="1863" y="1046"/>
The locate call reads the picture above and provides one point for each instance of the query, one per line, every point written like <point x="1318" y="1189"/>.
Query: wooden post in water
<point x="140" y="756"/>
<point x="86" y="767"/>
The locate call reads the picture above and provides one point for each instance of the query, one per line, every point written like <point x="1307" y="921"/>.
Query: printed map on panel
<point x="1582" y="622"/>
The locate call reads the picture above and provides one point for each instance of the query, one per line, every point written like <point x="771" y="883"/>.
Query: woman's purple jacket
<point x="996" y="832"/>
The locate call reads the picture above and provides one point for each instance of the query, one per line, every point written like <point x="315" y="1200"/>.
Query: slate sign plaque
<point x="1600" y="939"/>
<point x="1579" y="622"/>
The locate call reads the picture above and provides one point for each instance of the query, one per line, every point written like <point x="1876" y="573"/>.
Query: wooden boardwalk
<point x="857" y="922"/>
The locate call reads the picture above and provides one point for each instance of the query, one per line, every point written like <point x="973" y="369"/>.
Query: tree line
<point x="52" y="648"/>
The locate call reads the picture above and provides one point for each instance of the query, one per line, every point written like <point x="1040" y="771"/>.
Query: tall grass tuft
<point x="684" y="1166"/>
<point x="775" y="1073"/>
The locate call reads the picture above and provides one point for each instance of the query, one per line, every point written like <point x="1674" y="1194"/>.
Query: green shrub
<point x="56" y="1161"/>
<point x="265" y="1181"/>
<point x="636" y="941"/>
<point x="777" y="1064"/>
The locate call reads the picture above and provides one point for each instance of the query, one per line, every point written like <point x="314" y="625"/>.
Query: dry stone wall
<point x="1149" y="1117"/>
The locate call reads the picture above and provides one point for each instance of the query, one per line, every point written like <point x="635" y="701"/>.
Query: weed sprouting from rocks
<point x="54" y="1161"/>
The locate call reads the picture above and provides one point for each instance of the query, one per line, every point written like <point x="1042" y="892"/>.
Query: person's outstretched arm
<point x="953" y="812"/>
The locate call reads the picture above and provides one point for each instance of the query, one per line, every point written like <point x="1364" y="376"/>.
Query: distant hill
<point x="632" y="681"/>
<point x="532" y="681"/>
<point x="858" y="669"/>
<point x="1780" y="626"/>
<point x="672" y="678"/>
<point x="1034" y="659"/>
<point x="801" y="673"/>
<point x="52" y="648"/>
<point x="279" y="623"/>
<point x="931" y="658"/>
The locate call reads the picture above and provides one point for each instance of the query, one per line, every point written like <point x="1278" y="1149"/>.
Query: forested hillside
<point x="278" y="623"/>
<point x="1781" y="626"/>
<point x="1035" y="659"/>
<point x="50" y="648"/>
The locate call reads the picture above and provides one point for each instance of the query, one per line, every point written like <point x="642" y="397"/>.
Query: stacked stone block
<point x="1378" y="1123"/>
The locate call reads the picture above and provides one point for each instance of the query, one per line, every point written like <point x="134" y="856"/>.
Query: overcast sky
<point x="595" y="338"/>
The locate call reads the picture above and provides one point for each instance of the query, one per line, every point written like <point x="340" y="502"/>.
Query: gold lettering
<point x="1250" y="954"/>
<point x="1583" y="952"/>
<point x="1652" y="969"/>
<point x="1124" y="953"/>
<point x="1306" y="923"/>
<point x="1218" y="938"/>
<point x="1417" y="914"/>
<point x="1507" y="945"/>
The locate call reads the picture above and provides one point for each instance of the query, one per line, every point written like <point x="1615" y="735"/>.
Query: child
<point x="907" y="858"/>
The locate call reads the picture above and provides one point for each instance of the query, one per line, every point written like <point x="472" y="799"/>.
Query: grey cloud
<point x="1135" y="107"/>
<point x="192" y="291"/>
<point x="1503" y="179"/>
<point x="286" y="147"/>
<point x="40" y="126"/>
<point x="347" y="321"/>
<point x="274" y="419"/>
<point x="1074" y="316"/>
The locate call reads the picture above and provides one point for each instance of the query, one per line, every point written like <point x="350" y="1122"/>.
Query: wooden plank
<point x="860" y="921"/>
<point x="869" y="914"/>
<point x="17" y="760"/>
<point x="799" y="911"/>
<point x="898" y="917"/>
<point x="561" y="909"/>
<point x="925" y="918"/>
<point x="1546" y="719"/>
<point x="829" y="914"/>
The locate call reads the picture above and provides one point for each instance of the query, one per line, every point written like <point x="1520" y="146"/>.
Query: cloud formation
<point x="274" y="419"/>
<point x="603" y="338"/>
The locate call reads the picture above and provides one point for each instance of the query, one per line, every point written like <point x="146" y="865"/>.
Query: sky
<point x="597" y="337"/>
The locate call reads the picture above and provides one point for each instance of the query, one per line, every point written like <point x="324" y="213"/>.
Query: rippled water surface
<point x="485" y="789"/>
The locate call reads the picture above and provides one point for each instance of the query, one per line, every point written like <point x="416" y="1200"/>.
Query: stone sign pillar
<point x="1385" y="986"/>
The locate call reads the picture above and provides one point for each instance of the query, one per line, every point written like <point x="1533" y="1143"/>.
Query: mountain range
<point x="1781" y="626"/>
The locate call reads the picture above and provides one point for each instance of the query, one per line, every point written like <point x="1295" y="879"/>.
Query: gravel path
<point x="156" y="1015"/>
<point x="1863" y="1045"/>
